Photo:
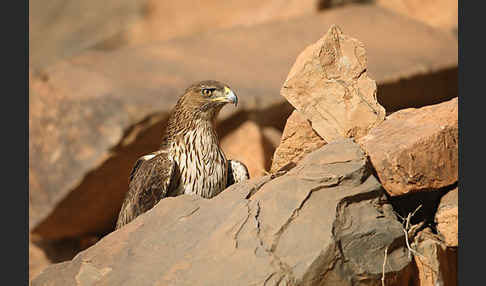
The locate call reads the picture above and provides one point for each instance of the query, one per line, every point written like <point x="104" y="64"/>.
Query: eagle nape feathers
<point x="190" y="160"/>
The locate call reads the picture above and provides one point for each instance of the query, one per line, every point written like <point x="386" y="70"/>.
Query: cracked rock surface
<point x="253" y="233"/>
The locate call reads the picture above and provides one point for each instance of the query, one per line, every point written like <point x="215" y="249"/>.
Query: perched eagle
<point x="190" y="160"/>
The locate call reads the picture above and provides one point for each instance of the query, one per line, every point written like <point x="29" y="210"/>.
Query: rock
<point x="252" y="233"/>
<point x="439" y="13"/>
<point x="436" y="263"/>
<point x="38" y="260"/>
<point x="298" y="139"/>
<point x="43" y="253"/>
<point x="416" y="149"/>
<point x="271" y="140"/>
<point x="246" y="145"/>
<point x="93" y="114"/>
<point x="162" y="18"/>
<point x="447" y="217"/>
<point x="329" y="86"/>
<point x="58" y="30"/>
<point x="70" y="136"/>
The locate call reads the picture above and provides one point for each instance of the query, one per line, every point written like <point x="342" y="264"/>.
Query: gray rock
<point x="324" y="222"/>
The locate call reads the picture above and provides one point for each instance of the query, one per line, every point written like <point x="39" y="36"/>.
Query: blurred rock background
<point x="103" y="77"/>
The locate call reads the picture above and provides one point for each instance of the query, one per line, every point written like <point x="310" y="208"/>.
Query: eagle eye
<point x="207" y="91"/>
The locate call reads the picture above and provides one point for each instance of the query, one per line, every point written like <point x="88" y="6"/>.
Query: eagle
<point x="190" y="159"/>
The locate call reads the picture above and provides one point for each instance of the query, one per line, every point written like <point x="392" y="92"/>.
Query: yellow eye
<point x="207" y="91"/>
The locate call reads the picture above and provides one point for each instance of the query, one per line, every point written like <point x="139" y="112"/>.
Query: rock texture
<point x="58" y="30"/>
<point x="298" y="139"/>
<point x="447" y="217"/>
<point x="161" y="21"/>
<point x="329" y="85"/>
<point x="416" y="149"/>
<point x="249" y="144"/>
<point x="38" y="260"/>
<point x="252" y="234"/>
<point x="437" y="13"/>
<point x="93" y="114"/>
<point x="436" y="263"/>
<point x="71" y="135"/>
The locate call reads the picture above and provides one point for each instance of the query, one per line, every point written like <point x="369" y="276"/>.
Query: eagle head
<point x="206" y="98"/>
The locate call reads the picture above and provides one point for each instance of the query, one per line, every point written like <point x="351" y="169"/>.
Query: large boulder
<point x="92" y="115"/>
<point x="416" y="149"/>
<point x="329" y="86"/>
<point x="252" y="233"/>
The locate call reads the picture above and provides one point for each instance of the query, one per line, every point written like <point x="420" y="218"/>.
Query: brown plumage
<point x="190" y="160"/>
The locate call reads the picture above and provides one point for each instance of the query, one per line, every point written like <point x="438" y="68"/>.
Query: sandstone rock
<point x="162" y="18"/>
<point x="436" y="263"/>
<point x="246" y="145"/>
<point x="252" y="233"/>
<point x="437" y="13"/>
<point x="71" y="135"/>
<point x="271" y="140"/>
<point x="38" y="260"/>
<point x="92" y="115"/>
<point x="298" y="139"/>
<point x="447" y="217"/>
<point x="329" y="85"/>
<point x="416" y="149"/>
<point x="58" y="30"/>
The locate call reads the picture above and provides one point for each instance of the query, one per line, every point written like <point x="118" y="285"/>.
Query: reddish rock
<point x="38" y="260"/>
<point x="271" y="140"/>
<point x="436" y="263"/>
<point x="58" y="30"/>
<point x="437" y="13"/>
<point x="161" y="20"/>
<point x="446" y="217"/>
<point x="245" y="144"/>
<point x="252" y="233"/>
<point x="70" y="136"/>
<point x="416" y="149"/>
<point x="298" y="139"/>
<point x="329" y="86"/>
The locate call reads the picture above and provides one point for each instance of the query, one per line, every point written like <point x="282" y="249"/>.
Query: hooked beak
<point x="229" y="96"/>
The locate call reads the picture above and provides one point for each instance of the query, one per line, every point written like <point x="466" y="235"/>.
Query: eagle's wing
<point x="237" y="172"/>
<point x="152" y="178"/>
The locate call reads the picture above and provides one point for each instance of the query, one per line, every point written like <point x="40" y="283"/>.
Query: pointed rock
<point x="329" y="85"/>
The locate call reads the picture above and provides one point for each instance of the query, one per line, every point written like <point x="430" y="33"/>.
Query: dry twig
<point x="383" y="271"/>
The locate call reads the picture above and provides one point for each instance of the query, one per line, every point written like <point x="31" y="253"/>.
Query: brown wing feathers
<point x="152" y="178"/>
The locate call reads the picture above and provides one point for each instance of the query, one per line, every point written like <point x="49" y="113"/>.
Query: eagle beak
<point x="229" y="96"/>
